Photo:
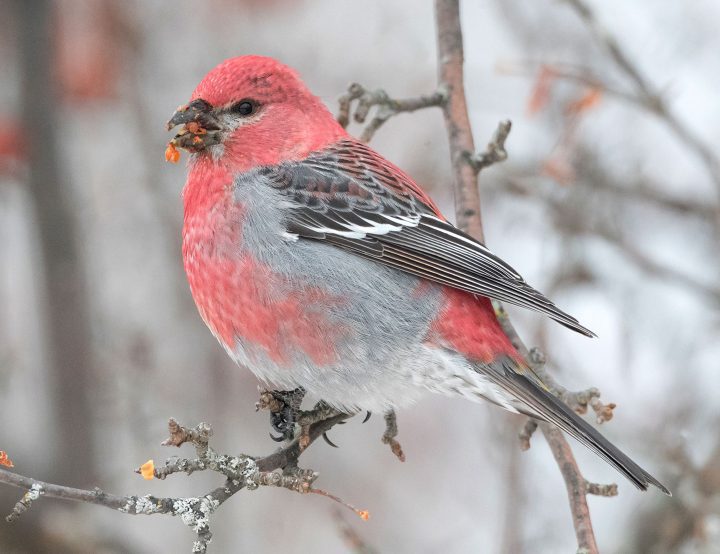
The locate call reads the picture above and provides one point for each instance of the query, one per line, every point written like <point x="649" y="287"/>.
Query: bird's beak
<point x="200" y="129"/>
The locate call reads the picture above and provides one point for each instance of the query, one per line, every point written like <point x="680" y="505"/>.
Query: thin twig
<point x="650" y="97"/>
<point x="569" y="72"/>
<point x="387" y="107"/>
<point x="601" y="490"/>
<point x="240" y="472"/>
<point x="522" y="183"/>
<point x="391" y="431"/>
<point x="23" y="505"/>
<point x="652" y="267"/>
<point x="526" y="433"/>
<point x="495" y="151"/>
<point x="577" y="400"/>
<point x="710" y="212"/>
<point x="50" y="490"/>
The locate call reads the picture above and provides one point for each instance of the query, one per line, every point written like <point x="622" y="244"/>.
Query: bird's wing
<point x="349" y="196"/>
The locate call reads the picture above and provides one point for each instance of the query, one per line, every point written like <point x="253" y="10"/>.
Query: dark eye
<point x="244" y="107"/>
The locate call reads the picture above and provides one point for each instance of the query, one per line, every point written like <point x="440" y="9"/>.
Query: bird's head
<point x="251" y="111"/>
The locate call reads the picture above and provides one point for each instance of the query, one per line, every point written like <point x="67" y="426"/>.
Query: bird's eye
<point x="244" y="107"/>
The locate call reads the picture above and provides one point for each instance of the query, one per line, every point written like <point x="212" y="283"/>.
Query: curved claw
<point x="277" y="439"/>
<point x="327" y="440"/>
<point x="367" y="416"/>
<point x="282" y="423"/>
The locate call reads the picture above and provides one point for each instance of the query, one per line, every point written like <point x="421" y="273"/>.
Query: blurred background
<point x="609" y="203"/>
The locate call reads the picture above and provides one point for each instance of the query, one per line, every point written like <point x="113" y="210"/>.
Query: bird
<point x="317" y="263"/>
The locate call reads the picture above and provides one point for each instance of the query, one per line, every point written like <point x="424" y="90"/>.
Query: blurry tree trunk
<point x="62" y="280"/>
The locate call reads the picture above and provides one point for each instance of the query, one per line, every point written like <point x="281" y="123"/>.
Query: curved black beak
<point x="198" y="111"/>
<point x="200" y="126"/>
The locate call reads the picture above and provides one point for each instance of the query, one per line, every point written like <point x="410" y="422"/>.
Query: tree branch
<point x="467" y="207"/>
<point x="457" y="122"/>
<point x="387" y="107"/>
<point x="391" y="431"/>
<point x="648" y="96"/>
<point x="239" y="471"/>
<point x="495" y="151"/>
<point x="575" y="485"/>
<point x="710" y="212"/>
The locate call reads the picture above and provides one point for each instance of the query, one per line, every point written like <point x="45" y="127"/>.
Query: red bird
<point x="319" y="264"/>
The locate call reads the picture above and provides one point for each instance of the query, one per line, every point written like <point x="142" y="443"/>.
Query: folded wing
<point x="352" y="198"/>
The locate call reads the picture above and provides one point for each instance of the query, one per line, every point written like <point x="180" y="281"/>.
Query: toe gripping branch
<point x="285" y="413"/>
<point x="284" y="408"/>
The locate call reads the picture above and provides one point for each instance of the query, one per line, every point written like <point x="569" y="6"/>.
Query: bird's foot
<point x="320" y="412"/>
<point x="285" y="413"/>
<point x="284" y="407"/>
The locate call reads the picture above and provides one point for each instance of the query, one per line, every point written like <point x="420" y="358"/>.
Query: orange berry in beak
<point x="172" y="154"/>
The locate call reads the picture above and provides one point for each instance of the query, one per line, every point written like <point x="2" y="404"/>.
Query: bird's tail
<point x="526" y="387"/>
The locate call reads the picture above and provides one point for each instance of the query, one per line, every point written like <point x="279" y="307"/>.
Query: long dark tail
<point x="523" y="384"/>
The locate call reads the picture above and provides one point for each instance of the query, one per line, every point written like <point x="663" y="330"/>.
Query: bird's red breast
<point x="237" y="296"/>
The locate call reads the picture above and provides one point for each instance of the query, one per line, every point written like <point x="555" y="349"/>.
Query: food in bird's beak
<point x="172" y="154"/>
<point x="200" y="129"/>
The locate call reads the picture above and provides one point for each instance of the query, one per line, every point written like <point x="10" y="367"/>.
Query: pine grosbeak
<point x="319" y="264"/>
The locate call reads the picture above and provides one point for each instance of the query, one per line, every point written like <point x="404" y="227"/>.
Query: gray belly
<point x="385" y="314"/>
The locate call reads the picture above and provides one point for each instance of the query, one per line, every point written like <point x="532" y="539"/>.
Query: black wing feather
<point x="350" y="197"/>
<point x="524" y="387"/>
